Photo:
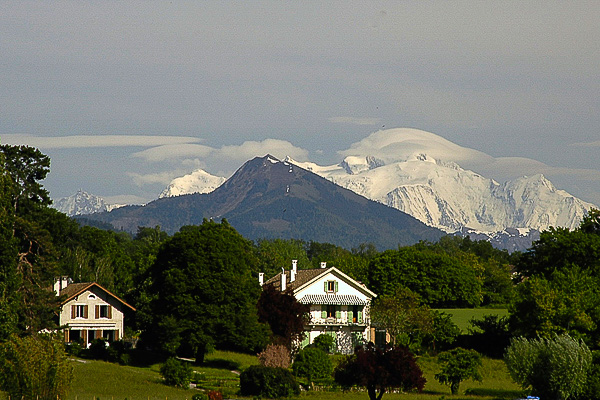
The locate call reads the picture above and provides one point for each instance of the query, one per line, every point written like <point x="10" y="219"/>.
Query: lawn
<point x="461" y="316"/>
<point x="100" y="380"/>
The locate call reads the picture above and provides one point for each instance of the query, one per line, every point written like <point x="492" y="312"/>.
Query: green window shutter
<point x="323" y="312"/>
<point x="350" y="316"/>
<point x="325" y="286"/>
<point x="336" y="286"/>
<point x="338" y="313"/>
<point x="360" y="317"/>
<point x="305" y="341"/>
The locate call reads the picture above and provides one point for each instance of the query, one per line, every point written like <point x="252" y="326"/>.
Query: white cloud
<point x="354" y="120"/>
<point x="156" y="178"/>
<point x="251" y="149"/>
<point x="174" y="152"/>
<point x="86" y="141"/>
<point x="586" y="144"/>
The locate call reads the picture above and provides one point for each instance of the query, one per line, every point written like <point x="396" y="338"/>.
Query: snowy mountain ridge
<point x="82" y="203"/>
<point x="443" y="195"/>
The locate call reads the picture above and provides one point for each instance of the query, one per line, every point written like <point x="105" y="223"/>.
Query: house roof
<point x="328" y="299"/>
<point x="305" y="277"/>
<point x="75" y="289"/>
<point x="302" y="276"/>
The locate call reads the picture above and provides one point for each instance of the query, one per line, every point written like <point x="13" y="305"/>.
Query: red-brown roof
<point x="75" y="289"/>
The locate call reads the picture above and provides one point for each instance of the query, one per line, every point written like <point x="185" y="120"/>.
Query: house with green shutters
<point x="339" y="305"/>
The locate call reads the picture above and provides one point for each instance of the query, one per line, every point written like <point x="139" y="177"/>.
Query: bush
<point x="275" y="355"/>
<point x="268" y="382"/>
<point x="458" y="365"/>
<point x="324" y="342"/>
<point x="34" y="367"/>
<point x="97" y="350"/>
<point x="176" y="373"/>
<point x="555" y="368"/>
<point x="313" y="363"/>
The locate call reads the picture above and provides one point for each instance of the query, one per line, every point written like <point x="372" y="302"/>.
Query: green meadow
<point x="461" y="316"/>
<point x="95" y="380"/>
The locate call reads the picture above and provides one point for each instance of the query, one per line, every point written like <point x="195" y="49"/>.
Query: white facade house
<point x="339" y="305"/>
<point x="88" y="312"/>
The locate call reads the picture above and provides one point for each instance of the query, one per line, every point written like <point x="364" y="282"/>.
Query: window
<point x="330" y="311"/>
<point x="79" y="311"/>
<point x="103" y="311"/>
<point x="331" y="286"/>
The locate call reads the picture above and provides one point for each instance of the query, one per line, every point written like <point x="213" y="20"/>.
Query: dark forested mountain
<point x="268" y="198"/>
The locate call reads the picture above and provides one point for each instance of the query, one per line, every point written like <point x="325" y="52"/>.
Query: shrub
<point x="34" y="367"/>
<point x="555" y="368"/>
<point x="275" y="355"/>
<point x="324" y="342"/>
<point x="268" y="382"/>
<point x="215" y="395"/>
<point x="313" y="363"/>
<point x="457" y="365"/>
<point x="176" y="373"/>
<point x="97" y="350"/>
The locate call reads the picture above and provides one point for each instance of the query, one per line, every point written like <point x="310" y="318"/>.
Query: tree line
<point x="198" y="289"/>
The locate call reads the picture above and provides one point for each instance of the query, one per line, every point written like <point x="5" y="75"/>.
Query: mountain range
<point x="269" y="198"/>
<point x="413" y="171"/>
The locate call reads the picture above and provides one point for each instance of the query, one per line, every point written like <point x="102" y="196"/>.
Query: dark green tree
<point x="205" y="294"/>
<point x="277" y="253"/>
<point x="27" y="166"/>
<point x="9" y="280"/>
<point x="312" y="363"/>
<point x="439" y="279"/>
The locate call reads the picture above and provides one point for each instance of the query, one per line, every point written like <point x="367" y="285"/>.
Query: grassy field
<point x="461" y="316"/>
<point x="100" y="380"/>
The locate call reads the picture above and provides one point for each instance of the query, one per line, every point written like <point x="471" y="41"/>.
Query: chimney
<point x="261" y="278"/>
<point x="323" y="264"/>
<point x="294" y="270"/>
<point x="283" y="279"/>
<point x="60" y="283"/>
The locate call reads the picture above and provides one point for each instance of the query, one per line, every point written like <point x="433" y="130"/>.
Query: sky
<point x="125" y="96"/>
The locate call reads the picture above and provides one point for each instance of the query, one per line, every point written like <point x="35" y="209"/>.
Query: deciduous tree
<point x="458" y="365"/>
<point x="380" y="370"/>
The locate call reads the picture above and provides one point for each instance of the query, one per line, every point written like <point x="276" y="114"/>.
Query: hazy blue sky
<point x="124" y="96"/>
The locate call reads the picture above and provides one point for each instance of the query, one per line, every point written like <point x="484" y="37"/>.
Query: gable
<point x="75" y="291"/>
<point x="342" y="284"/>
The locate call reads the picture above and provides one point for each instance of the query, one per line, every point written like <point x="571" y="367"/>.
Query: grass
<point x="461" y="316"/>
<point x="97" y="379"/>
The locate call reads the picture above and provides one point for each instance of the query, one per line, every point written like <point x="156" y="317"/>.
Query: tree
<point x="205" y="295"/>
<point x="285" y="315"/>
<point x="402" y="315"/>
<point x="26" y="166"/>
<point x="444" y="331"/>
<point x="440" y="279"/>
<point x="458" y="365"/>
<point x="275" y="253"/>
<point x="379" y="370"/>
<point x="555" y="368"/>
<point x="9" y="280"/>
<point x="34" y="367"/>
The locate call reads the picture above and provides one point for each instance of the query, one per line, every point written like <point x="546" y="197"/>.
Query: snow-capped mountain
<point x="418" y="173"/>
<point x="446" y="196"/>
<point x="82" y="203"/>
<point x="198" y="181"/>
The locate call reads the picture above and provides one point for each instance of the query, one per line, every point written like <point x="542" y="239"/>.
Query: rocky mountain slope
<point x="268" y="198"/>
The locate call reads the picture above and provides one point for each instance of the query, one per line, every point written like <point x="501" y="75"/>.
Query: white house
<point x="339" y="305"/>
<point x="90" y="312"/>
